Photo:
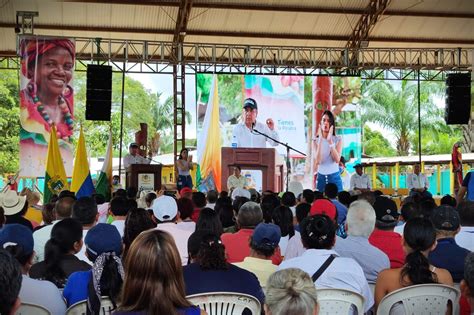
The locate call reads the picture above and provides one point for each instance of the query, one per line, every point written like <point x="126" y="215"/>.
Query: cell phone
<point x="171" y="193"/>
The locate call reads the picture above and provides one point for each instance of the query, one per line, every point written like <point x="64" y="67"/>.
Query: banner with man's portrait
<point x="46" y="98"/>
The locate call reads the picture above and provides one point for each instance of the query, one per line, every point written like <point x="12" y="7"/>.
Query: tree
<point x="375" y="144"/>
<point x="9" y="122"/>
<point x="396" y="109"/>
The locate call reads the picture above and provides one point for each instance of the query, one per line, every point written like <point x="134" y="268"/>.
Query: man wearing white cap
<point x="165" y="211"/>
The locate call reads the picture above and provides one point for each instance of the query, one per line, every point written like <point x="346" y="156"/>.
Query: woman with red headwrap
<point x="46" y="97"/>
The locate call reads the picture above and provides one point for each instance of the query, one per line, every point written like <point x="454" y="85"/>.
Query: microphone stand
<point x="288" y="148"/>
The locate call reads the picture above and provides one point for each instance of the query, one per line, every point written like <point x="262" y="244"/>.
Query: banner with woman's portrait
<point x="46" y="98"/>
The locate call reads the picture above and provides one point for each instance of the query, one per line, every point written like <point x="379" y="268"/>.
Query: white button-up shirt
<point x="236" y="182"/>
<point x="360" y="181"/>
<point x="417" y="181"/>
<point x="137" y="159"/>
<point x="246" y="138"/>
<point x="342" y="273"/>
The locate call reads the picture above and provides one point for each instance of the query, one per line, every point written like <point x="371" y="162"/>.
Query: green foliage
<point x="375" y="144"/>
<point x="9" y="122"/>
<point x="396" y="110"/>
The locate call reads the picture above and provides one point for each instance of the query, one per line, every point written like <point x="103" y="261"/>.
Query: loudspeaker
<point x="99" y="92"/>
<point x="458" y="98"/>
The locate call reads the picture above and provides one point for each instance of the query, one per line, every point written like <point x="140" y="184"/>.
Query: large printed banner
<point x="46" y="98"/>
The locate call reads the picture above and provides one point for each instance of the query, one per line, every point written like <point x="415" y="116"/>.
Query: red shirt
<point x="391" y="244"/>
<point x="237" y="246"/>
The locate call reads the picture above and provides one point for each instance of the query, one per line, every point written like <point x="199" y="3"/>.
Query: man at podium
<point x="244" y="134"/>
<point x="133" y="157"/>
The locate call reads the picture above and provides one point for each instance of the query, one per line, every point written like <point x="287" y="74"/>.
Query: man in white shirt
<point x="244" y="134"/>
<point x="133" y="157"/>
<point x="360" y="181"/>
<point x="465" y="237"/>
<point x="418" y="182"/>
<point x="236" y="180"/>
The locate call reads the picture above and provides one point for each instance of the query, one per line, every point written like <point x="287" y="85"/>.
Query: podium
<point x="144" y="176"/>
<point x="264" y="159"/>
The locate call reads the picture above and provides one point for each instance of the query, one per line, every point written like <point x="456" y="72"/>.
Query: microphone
<point x="253" y="125"/>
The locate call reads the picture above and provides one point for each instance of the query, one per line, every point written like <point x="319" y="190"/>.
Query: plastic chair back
<point x="339" y="301"/>
<point x="32" y="309"/>
<point x="80" y="308"/>
<point x="225" y="303"/>
<point x="422" y="299"/>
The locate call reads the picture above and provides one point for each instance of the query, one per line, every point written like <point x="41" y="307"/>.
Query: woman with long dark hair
<point x="154" y="278"/>
<point x="419" y="238"/>
<point x="137" y="221"/>
<point x="59" y="259"/>
<point x="103" y="248"/>
<point x="184" y="165"/>
<point x="209" y="220"/>
<point x="328" y="153"/>
<point x="283" y="217"/>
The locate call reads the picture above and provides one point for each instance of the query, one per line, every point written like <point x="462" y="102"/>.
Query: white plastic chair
<point x="421" y="299"/>
<point x="80" y="308"/>
<point x="339" y="301"/>
<point x="225" y="303"/>
<point x="32" y="309"/>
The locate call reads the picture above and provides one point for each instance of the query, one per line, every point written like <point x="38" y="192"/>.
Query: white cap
<point x="165" y="208"/>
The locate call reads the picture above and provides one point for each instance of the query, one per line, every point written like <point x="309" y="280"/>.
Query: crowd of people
<point x="148" y="253"/>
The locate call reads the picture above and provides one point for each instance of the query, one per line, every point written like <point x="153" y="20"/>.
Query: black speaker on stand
<point x="99" y="92"/>
<point x="458" y="98"/>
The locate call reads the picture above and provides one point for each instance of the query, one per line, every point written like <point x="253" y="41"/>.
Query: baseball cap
<point x="266" y="234"/>
<point x="17" y="235"/>
<point x="165" y="208"/>
<point x="103" y="238"/>
<point x="240" y="192"/>
<point x="358" y="165"/>
<point x="385" y="210"/>
<point x="250" y="102"/>
<point x="133" y="145"/>
<point x="185" y="190"/>
<point x="11" y="202"/>
<point x="445" y="218"/>
<point x="323" y="206"/>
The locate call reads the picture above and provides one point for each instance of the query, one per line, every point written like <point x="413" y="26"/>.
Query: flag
<point x="104" y="183"/>
<point x="81" y="177"/>
<point x="55" y="179"/>
<point x="209" y="143"/>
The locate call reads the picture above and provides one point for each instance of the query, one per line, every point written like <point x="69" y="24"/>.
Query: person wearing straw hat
<point x="15" y="208"/>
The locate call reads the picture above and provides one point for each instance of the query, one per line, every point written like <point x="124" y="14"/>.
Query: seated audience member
<point x="149" y="198"/>
<point x="222" y="201"/>
<point x="48" y="216"/>
<point x="226" y="216"/>
<point x="418" y="183"/>
<point x="236" y="205"/>
<point x="118" y="210"/>
<point x="383" y="237"/>
<point x="307" y="196"/>
<point x="408" y="210"/>
<point x="18" y="241"/>
<point x="33" y="214"/>
<point x="186" y="192"/>
<point x="283" y="217"/>
<point x="165" y="211"/>
<point x="15" y="208"/>
<point x="447" y="254"/>
<point x="264" y="241"/>
<point x="360" y="182"/>
<point x="467" y="284"/>
<point x="268" y="204"/>
<point x="368" y="196"/>
<point x="296" y="188"/>
<point x="419" y="238"/>
<point x="331" y="193"/>
<point x="62" y="210"/>
<point x="302" y="211"/>
<point x="448" y="200"/>
<point x="236" y="180"/>
<point x="318" y="234"/>
<point x="209" y="270"/>
<point x="211" y="198"/>
<point x="291" y="291"/>
<point x="237" y="244"/>
<point x="295" y="247"/>
<point x="209" y="220"/>
<point x="59" y="259"/>
<point x="199" y="200"/>
<point x="154" y="278"/>
<point x="465" y="237"/>
<point x="288" y="199"/>
<point x="136" y="222"/>
<point x="85" y="211"/>
<point x="132" y="193"/>
<point x="426" y="207"/>
<point x="10" y="284"/>
<point x="185" y="211"/>
<point x="103" y="248"/>
<point x="345" y="198"/>
<point x="360" y="223"/>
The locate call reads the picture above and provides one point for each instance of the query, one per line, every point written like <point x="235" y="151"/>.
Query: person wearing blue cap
<point x="17" y="239"/>
<point x="103" y="247"/>
<point x="263" y="243"/>
<point x="244" y="135"/>
<point x="133" y="156"/>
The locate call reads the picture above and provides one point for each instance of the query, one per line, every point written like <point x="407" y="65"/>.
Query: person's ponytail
<point x="417" y="269"/>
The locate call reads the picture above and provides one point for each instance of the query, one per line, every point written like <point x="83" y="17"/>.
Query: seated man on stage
<point x="245" y="136"/>
<point x="133" y="157"/>
<point x="418" y="182"/>
<point x="236" y="180"/>
<point x="360" y="181"/>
